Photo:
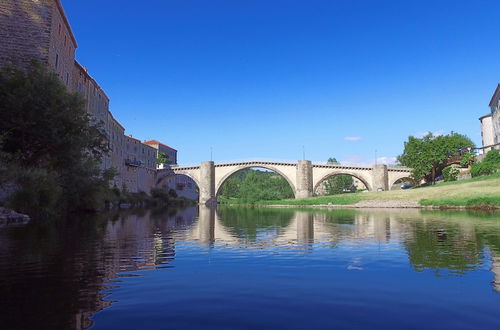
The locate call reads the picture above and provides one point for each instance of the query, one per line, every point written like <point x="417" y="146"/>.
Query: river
<point x="242" y="268"/>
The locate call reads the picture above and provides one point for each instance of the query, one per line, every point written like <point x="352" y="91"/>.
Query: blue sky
<point x="260" y="79"/>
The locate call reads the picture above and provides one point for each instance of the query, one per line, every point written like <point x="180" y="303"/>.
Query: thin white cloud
<point x="353" y="138"/>
<point x="386" y="160"/>
<point x="439" y="132"/>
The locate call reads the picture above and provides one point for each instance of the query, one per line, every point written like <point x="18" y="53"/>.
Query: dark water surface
<point x="241" y="268"/>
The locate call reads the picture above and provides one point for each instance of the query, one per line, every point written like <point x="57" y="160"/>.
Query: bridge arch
<point x="399" y="180"/>
<point x="222" y="179"/>
<point x="354" y="175"/>
<point x="164" y="178"/>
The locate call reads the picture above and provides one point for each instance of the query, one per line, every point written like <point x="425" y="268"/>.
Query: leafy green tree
<point x="467" y="159"/>
<point x="47" y="132"/>
<point x="252" y="185"/>
<point x="428" y="156"/>
<point x="337" y="184"/>
<point x="162" y="158"/>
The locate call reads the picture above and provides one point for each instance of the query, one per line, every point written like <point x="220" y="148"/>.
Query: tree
<point x="47" y="133"/>
<point x="162" y="158"/>
<point x="337" y="184"/>
<point x="427" y="156"/>
<point x="252" y="185"/>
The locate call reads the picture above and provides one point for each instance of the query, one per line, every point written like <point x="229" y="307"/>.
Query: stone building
<point x="39" y="30"/>
<point x="495" y="114"/>
<point x="487" y="135"/>
<point x="183" y="185"/>
<point x="490" y="124"/>
<point x="169" y="151"/>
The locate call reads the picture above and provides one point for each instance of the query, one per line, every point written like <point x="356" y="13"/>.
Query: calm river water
<point x="242" y="268"/>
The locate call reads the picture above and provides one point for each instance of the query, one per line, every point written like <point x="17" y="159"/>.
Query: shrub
<point x="483" y="168"/>
<point x="38" y="195"/>
<point x="450" y="173"/>
<point x="467" y="159"/>
<point x="493" y="156"/>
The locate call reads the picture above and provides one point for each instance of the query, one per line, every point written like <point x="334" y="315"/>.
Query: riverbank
<point x="475" y="193"/>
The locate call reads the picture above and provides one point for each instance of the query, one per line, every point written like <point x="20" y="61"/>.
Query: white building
<point x="490" y="124"/>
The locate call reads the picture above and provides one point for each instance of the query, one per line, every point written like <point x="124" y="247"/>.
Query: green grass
<point x="476" y="179"/>
<point x="477" y="202"/>
<point x="342" y="199"/>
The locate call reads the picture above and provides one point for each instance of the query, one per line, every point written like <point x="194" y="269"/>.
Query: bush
<point x="493" y="156"/>
<point x="38" y="195"/>
<point x="483" y="168"/>
<point x="467" y="159"/>
<point x="450" y="173"/>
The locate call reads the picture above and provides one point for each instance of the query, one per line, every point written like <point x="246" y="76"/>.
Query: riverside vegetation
<point x="50" y="150"/>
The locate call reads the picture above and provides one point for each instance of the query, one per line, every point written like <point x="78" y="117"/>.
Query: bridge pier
<point x="380" y="177"/>
<point x="207" y="183"/>
<point x="304" y="181"/>
<point x="206" y="223"/>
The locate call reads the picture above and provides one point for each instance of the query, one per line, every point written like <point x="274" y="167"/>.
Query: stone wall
<point x="25" y="28"/>
<point x="495" y="112"/>
<point x="62" y="45"/>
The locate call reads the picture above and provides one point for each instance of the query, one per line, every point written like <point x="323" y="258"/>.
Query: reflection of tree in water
<point x="442" y="245"/>
<point x="249" y="222"/>
<point x="346" y="217"/>
<point x="60" y="268"/>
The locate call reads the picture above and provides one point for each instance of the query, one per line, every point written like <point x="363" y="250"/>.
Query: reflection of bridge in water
<point x="358" y="229"/>
<point x="301" y="227"/>
<point x="303" y="177"/>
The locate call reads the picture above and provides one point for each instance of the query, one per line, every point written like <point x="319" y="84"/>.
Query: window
<point x="57" y="60"/>
<point x="67" y="78"/>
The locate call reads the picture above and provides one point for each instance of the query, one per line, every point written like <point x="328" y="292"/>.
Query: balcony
<point x="134" y="162"/>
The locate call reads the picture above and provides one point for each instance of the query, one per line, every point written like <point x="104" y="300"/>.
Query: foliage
<point x="489" y="165"/>
<point x="493" y="156"/>
<point x="38" y="194"/>
<point x="50" y="137"/>
<point x="467" y="159"/>
<point x="428" y="156"/>
<point x="252" y="185"/>
<point x="450" y="173"/>
<point x="483" y="168"/>
<point x="162" y="158"/>
<point x="337" y="184"/>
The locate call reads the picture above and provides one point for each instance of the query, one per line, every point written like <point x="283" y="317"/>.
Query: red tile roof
<point x="158" y="142"/>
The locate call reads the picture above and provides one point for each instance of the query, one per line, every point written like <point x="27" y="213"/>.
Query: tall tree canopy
<point x="427" y="156"/>
<point x="47" y="134"/>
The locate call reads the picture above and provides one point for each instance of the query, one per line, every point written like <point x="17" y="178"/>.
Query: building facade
<point x="169" y="151"/>
<point x="487" y="134"/>
<point x="39" y="30"/>
<point x="490" y="124"/>
<point x="495" y="114"/>
<point x="183" y="185"/>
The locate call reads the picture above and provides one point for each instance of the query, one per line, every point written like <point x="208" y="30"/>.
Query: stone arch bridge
<point x="304" y="176"/>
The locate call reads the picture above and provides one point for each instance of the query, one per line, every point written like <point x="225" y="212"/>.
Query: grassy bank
<point x="481" y="192"/>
